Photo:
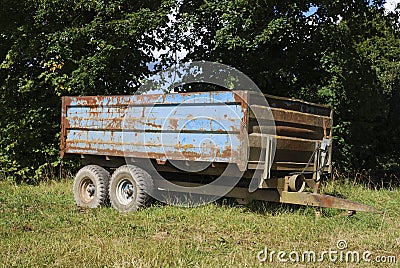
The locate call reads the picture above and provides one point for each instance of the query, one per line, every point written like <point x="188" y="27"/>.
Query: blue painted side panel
<point x="177" y="146"/>
<point x="201" y="126"/>
<point x="197" y="97"/>
<point x="196" y="118"/>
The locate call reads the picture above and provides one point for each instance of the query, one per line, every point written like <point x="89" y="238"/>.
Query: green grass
<point x="41" y="226"/>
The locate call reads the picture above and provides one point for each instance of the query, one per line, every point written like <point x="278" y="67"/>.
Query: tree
<point x="54" y="48"/>
<point x="345" y="54"/>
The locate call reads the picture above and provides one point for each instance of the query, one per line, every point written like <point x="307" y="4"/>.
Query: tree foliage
<point x="54" y="48"/>
<point x="346" y="54"/>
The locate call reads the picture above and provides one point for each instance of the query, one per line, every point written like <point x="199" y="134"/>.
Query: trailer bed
<point x="219" y="127"/>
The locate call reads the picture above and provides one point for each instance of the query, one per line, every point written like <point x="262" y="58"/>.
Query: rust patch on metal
<point x="153" y="125"/>
<point x="173" y="122"/>
<point x="63" y="126"/>
<point x="187" y="146"/>
<point x="327" y="201"/>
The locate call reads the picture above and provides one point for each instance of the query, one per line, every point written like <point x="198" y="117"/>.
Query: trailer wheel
<point x="129" y="187"/>
<point x="91" y="186"/>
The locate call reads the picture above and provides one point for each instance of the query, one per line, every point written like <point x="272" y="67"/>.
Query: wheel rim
<point x="87" y="190"/>
<point x="126" y="191"/>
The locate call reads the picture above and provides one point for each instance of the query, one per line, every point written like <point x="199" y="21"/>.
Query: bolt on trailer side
<point x="219" y="128"/>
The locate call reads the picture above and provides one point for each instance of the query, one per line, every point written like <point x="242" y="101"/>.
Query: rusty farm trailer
<point x="276" y="147"/>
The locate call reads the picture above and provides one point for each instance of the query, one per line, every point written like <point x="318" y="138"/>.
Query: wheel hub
<point x="90" y="189"/>
<point x="125" y="191"/>
<point x="87" y="190"/>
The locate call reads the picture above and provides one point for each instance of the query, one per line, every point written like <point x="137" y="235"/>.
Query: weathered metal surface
<point x="283" y="142"/>
<point x="151" y="99"/>
<point x="290" y="116"/>
<point x="162" y="146"/>
<point x="136" y="126"/>
<point x="297" y="126"/>
<point x="291" y="104"/>
<point x="207" y="126"/>
<point x="327" y="201"/>
<point x="284" y="129"/>
<point x="160" y="118"/>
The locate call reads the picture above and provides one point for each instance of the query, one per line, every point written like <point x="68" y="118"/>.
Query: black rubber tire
<point x="94" y="178"/>
<point x="129" y="188"/>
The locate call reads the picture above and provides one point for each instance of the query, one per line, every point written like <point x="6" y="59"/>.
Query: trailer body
<point x="219" y="128"/>
<point x="145" y="126"/>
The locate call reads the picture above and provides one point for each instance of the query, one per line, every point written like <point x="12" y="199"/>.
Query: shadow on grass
<point x="276" y="209"/>
<point x="273" y="209"/>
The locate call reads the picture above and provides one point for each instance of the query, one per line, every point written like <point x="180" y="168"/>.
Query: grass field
<point x="41" y="226"/>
